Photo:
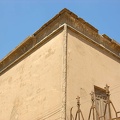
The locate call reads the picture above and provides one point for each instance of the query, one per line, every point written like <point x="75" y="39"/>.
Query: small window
<point x="100" y="101"/>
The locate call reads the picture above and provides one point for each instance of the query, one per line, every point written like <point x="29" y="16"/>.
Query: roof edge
<point x="64" y="16"/>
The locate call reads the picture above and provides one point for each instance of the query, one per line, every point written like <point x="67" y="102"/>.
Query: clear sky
<point x="21" y="18"/>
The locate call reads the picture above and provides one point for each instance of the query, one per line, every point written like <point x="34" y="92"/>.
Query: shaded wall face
<point x="89" y="65"/>
<point x="31" y="90"/>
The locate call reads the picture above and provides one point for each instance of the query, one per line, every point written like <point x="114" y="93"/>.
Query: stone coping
<point x="64" y="16"/>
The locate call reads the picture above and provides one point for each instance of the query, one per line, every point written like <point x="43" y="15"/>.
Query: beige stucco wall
<point x="35" y="88"/>
<point x="32" y="89"/>
<point x="89" y="65"/>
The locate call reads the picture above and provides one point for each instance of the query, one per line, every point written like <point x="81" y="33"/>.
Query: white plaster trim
<point x="64" y="80"/>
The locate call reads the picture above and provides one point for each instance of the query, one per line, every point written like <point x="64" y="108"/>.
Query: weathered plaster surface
<point x="89" y="65"/>
<point x="32" y="89"/>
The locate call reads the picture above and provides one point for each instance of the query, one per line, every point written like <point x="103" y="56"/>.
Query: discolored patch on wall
<point x="49" y="53"/>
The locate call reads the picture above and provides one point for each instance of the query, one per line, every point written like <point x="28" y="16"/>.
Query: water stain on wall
<point x="49" y="53"/>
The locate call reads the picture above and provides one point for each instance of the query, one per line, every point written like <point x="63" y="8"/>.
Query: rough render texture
<point x="32" y="89"/>
<point x="66" y="57"/>
<point x="89" y="65"/>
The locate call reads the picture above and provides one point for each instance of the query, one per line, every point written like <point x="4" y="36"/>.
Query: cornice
<point x="93" y="41"/>
<point x="24" y="49"/>
<point x="71" y="19"/>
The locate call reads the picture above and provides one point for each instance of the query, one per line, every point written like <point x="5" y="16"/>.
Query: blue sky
<point x="21" y="18"/>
